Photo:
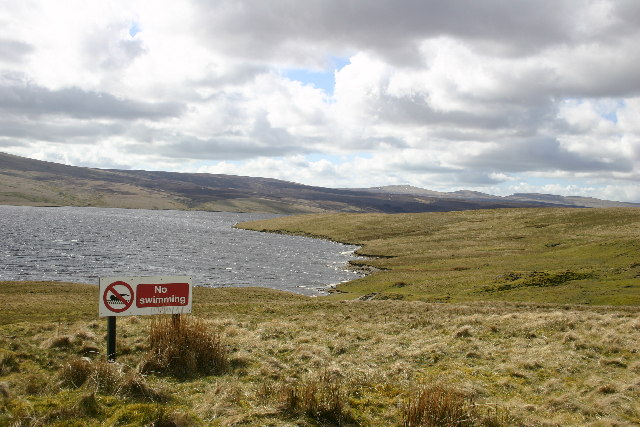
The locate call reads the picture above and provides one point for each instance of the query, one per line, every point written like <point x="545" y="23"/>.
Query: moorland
<point x="30" y="182"/>
<point x="481" y="318"/>
<point x="576" y="256"/>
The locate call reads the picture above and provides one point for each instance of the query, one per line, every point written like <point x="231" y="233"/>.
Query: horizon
<point x="495" y="97"/>
<point x="406" y="186"/>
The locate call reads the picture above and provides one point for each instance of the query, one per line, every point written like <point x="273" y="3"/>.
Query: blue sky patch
<point x="134" y="29"/>
<point x="321" y="79"/>
<point x="611" y="113"/>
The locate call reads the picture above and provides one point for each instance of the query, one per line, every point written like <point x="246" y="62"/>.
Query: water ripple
<point x="82" y="244"/>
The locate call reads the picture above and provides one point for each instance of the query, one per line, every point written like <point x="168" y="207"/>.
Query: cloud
<point x="10" y="143"/>
<point x="14" y="51"/>
<point x="542" y="154"/>
<point x="32" y="100"/>
<point x="280" y="30"/>
<point x="105" y="51"/>
<point x="221" y="147"/>
<point x="69" y="132"/>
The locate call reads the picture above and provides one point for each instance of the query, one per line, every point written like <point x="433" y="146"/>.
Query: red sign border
<point x="109" y="288"/>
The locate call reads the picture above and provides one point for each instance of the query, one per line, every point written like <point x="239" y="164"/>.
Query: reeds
<point x="107" y="378"/>
<point x="75" y="372"/>
<point x="321" y="397"/>
<point x="8" y="362"/>
<point x="184" y="347"/>
<point x="438" y="406"/>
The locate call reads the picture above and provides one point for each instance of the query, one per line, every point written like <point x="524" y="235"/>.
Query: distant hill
<point x="37" y="183"/>
<point x="545" y="199"/>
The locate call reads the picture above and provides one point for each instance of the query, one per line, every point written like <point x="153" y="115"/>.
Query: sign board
<point x="134" y="296"/>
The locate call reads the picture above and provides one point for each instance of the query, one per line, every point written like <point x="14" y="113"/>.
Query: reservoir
<point x="82" y="244"/>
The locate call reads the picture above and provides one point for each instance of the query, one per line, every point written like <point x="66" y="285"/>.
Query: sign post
<point x="133" y="296"/>
<point x="111" y="338"/>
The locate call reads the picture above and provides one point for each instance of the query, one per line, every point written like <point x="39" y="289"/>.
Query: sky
<point x="497" y="96"/>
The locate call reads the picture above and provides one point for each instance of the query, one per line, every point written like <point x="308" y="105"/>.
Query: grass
<point x="321" y="398"/>
<point x="294" y="360"/>
<point x="30" y="301"/>
<point x="444" y="406"/>
<point x="183" y="346"/>
<point x="516" y="345"/>
<point x="575" y="256"/>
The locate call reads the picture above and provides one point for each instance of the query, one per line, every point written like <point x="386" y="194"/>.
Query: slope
<point x="37" y="183"/>
<point x="551" y="255"/>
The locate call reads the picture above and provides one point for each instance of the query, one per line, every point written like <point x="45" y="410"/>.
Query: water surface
<point x="82" y="244"/>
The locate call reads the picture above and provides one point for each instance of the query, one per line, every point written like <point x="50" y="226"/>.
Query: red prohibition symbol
<point x="117" y="301"/>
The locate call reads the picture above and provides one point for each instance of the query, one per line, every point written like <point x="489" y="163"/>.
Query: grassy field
<point x="577" y="256"/>
<point x="288" y="360"/>
<point x="541" y="329"/>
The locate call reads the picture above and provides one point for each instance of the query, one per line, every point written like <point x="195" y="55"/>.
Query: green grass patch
<point x="36" y="301"/>
<point x="584" y="256"/>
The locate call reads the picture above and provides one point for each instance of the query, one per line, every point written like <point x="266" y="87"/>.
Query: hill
<point x="546" y="199"/>
<point x="550" y="255"/>
<point x="37" y="183"/>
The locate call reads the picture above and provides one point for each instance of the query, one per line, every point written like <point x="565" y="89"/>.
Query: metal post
<point x="176" y="320"/>
<point x="111" y="338"/>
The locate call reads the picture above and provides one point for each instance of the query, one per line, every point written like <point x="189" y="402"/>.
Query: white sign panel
<point x="133" y="296"/>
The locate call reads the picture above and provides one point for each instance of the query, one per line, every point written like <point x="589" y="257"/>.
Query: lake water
<point x="82" y="244"/>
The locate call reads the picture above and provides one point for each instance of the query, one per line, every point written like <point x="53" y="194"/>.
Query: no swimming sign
<point x="132" y="296"/>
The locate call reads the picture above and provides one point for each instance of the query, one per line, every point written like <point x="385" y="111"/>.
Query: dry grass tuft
<point x="108" y="378"/>
<point x="8" y="362"/>
<point x="4" y="391"/>
<point x="322" y="398"/>
<point x="184" y="348"/>
<point x="464" y="332"/>
<point x="134" y="385"/>
<point x="617" y="363"/>
<point x="105" y="377"/>
<point x="608" y="389"/>
<point x="89" y="406"/>
<point x="167" y="418"/>
<point x="443" y="406"/>
<point x="35" y="384"/>
<point x="62" y="341"/>
<point x="84" y="335"/>
<point x="438" y="405"/>
<point x="75" y="372"/>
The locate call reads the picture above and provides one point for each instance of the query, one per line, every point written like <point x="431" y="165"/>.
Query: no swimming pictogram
<point x="118" y="296"/>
